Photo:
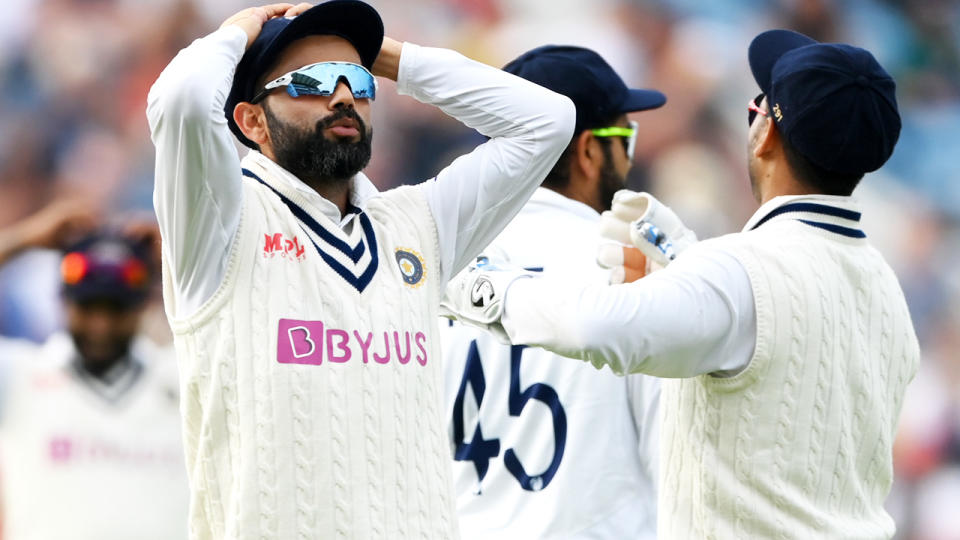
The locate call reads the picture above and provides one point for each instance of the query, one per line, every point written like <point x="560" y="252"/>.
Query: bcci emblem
<point x="411" y="267"/>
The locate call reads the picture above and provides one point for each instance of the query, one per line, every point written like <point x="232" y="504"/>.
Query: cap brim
<point x="767" y="48"/>
<point x="643" y="100"/>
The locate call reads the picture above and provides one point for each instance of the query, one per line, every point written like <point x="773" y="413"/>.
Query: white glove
<point x="640" y="220"/>
<point x="475" y="295"/>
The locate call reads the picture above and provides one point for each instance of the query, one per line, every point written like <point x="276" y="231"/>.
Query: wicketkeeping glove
<point x="639" y="220"/>
<point x="475" y="295"/>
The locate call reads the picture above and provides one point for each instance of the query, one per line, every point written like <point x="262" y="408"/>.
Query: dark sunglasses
<point x="321" y="79"/>
<point x="753" y="108"/>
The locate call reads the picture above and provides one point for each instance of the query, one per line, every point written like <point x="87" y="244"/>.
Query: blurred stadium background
<point x="74" y="75"/>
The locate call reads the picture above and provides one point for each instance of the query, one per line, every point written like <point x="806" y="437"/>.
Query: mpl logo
<point x="276" y="245"/>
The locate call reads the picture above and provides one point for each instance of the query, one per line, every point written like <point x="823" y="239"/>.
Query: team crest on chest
<point x="411" y="267"/>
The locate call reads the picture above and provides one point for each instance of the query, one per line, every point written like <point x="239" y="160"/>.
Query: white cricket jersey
<point x="545" y="446"/>
<point x="306" y="339"/>
<point x="797" y="443"/>
<point x="81" y="459"/>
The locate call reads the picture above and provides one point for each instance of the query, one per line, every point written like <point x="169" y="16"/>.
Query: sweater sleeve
<point x="197" y="190"/>
<point x="694" y="317"/>
<point x="479" y="193"/>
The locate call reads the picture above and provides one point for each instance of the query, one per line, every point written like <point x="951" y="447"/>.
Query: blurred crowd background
<point x="74" y="76"/>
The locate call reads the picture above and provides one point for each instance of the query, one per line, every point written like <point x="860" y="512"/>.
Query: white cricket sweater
<point x="798" y="445"/>
<point x="310" y="382"/>
<point x="332" y="430"/>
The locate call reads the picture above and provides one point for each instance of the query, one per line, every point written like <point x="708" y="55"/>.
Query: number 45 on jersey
<point x="482" y="451"/>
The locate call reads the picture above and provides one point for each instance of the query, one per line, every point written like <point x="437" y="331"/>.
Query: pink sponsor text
<point x="313" y="343"/>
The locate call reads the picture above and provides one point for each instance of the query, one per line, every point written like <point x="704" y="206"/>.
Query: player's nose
<point x="342" y="96"/>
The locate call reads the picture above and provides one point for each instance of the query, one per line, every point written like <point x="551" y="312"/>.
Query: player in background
<point x="90" y="443"/>
<point x="787" y="347"/>
<point x="303" y="301"/>
<point x="557" y="449"/>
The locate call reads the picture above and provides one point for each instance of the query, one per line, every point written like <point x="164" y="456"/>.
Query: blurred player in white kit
<point x="546" y="448"/>
<point x="90" y="442"/>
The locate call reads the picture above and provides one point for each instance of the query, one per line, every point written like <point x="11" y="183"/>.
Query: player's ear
<point x="768" y="138"/>
<point x="587" y="154"/>
<point x="252" y="122"/>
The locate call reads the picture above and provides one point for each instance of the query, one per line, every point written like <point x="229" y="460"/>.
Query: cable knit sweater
<point x="305" y="417"/>
<point x="798" y="445"/>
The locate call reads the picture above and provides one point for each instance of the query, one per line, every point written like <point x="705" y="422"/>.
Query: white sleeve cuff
<point x="409" y="58"/>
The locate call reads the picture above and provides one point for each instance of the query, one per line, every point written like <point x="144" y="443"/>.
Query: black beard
<point x="315" y="159"/>
<point x="610" y="180"/>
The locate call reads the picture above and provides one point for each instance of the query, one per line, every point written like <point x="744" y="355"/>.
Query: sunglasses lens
<point x="751" y="116"/>
<point x="322" y="79"/>
<point x="627" y="135"/>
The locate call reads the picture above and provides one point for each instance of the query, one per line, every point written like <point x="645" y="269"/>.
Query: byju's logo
<point x="312" y="343"/>
<point x="287" y="248"/>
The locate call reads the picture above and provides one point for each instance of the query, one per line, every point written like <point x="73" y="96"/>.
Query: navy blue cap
<point x="107" y="267"/>
<point x="353" y="20"/>
<point x="833" y="102"/>
<point x="587" y="79"/>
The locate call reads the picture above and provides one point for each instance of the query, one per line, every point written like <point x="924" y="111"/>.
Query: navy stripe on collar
<point x="845" y="231"/>
<point x="353" y="253"/>
<point x="823" y="210"/>
<point x="812" y="208"/>
<point x="358" y="282"/>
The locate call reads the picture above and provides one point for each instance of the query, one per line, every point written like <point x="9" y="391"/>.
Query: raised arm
<point x="197" y="190"/>
<point x="53" y="227"/>
<point x="529" y="126"/>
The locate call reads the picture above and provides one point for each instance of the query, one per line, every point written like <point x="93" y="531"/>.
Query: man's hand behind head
<point x="251" y="20"/>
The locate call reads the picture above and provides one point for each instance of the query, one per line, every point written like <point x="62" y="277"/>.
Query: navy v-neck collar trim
<point x="812" y="210"/>
<point x="369" y="240"/>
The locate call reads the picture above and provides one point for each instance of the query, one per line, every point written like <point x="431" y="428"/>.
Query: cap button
<point x="862" y="81"/>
